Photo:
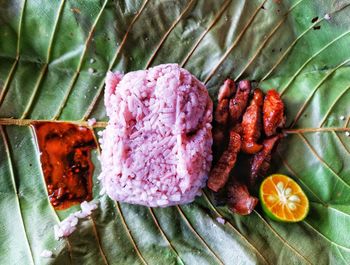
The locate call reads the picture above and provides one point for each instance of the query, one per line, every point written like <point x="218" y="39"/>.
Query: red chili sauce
<point x="66" y="162"/>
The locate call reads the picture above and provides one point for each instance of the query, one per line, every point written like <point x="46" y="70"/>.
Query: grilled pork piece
<point x="239" y="199"/>
<point x="221" y="171"/>
<point x="221" y="113"/>
<point x="227" y="90"/>
<point x="246" y="128"/>
<point x="251" y="124"/>
<point x="240" y="101"/>
<point x="218" y="138"/>
<point x="273" y="113"/>
<point x="261" y="160"/>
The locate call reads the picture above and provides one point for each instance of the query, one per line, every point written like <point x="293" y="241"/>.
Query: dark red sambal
<point x="66" y="162"/>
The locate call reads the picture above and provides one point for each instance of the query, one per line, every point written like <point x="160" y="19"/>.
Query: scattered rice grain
<point x="68" y="226"/>
<point x="220" y="220"/>
<point x="327" y="17"/>
<point x="46" y="253"/>
<point x="91" y="122"/>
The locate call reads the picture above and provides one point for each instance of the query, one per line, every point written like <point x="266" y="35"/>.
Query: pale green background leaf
<point x="53" y="60"/>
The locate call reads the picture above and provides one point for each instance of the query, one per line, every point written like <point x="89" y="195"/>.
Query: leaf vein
<point x="228" y="51"/>
<point x="322" y="235"/>
<point x="99" y="91"/>
<point x="332" y="106"/>
<point x="45" y="67"/>
<point x="234" y="228"/>
<point x="342" y="143"/>
<point x="321" y="160"/>
<point x="99" y="241"/>
<point x="315" y="130"/>
<point x="77" y="71"/>
<point x="198" y="235"/>
<point x="281" y="238"/>
<point x="307" y="101"/>
<point x="295" y="41"/>
<point x="129" y="233"/>
<point x="163" y="234"/>
<point x="291" y="170"/>
<point x="274" y="30"/>
<point x="211" y="25"/>
<point x="310" y="59"/>
<point x="12" y="174"/>
<point x="290" y="47"/>
<point x="13" y="67"/>
<point x="28" y="122"/>
<point x="183" y="13"/>
<point x="341" y="255"/>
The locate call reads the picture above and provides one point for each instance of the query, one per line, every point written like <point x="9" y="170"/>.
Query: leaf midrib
<point x="12" y="175"/>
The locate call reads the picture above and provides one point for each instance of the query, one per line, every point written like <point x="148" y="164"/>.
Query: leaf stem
<point x="103" y="124"/>
<point x="315" y="130"/>
<point x="27" y="122"/>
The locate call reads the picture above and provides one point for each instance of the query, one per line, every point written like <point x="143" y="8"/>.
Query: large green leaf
<point x="46" y="73"/>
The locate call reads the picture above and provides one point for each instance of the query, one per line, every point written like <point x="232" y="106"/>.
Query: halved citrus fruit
<point x="282" y="199"/>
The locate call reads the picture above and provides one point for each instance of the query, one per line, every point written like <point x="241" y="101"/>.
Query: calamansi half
<point x="282" y="199"/>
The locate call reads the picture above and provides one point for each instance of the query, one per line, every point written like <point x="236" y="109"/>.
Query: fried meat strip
<point x="239" y="199"/>
<point x="227" y="90"/>
<point x="240" y="101"/>
<point x="238" y="129"/>
<point x="261" y="160"/>
<point x="221" y="171"/>
<point x="219" y="138"/>
<point x="221" y="113"/>
<point x="273" y="113"/>
<point x="251" y="124"/>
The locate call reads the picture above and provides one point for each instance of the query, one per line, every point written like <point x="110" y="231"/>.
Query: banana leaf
<point x="54" y="56"/>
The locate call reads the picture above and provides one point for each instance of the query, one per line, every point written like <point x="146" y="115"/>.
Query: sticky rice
<point x="156" y="148"/>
